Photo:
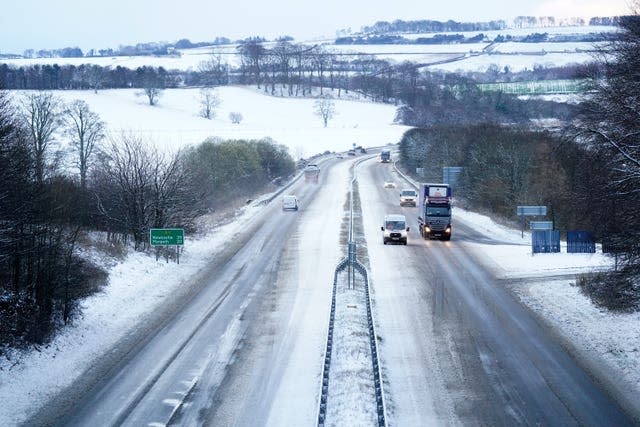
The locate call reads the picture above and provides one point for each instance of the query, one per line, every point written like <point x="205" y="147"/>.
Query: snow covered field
<point x="518" y="56"/>
<point x="139" y="284"/>
<point x="515" y="61"/>
<point x="175" y="121"/>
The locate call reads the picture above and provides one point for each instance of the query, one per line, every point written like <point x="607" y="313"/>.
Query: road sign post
<point x="530" y="211"/>
<point x="450" y="175"/>
<point x="167" y="237"/>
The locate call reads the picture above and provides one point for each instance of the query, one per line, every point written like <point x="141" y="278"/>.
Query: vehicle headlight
<point x="427" y="229"/>
<point x="448" y="230"/>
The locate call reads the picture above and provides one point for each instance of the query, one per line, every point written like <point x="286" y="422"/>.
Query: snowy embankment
<point x="605" y="341"/>
<point x="138" y="286"/>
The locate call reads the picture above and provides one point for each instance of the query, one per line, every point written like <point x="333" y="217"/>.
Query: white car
<point x="408" y="197"/>
<point x="289" y="203"/>
<point x="389" y="184"/>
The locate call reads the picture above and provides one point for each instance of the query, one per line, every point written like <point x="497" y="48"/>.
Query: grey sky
<point x="46" y="24"/>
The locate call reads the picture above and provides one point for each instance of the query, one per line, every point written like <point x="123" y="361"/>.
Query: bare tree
<point x="235" y="117"/>
<point x="325" y="108"/>
<point x="152" y="93"/>
<point x="321" y="61"/>
<point x="283" y="53"/>
<point x="86" y="131"/>
<point x="214" y="70"/>
<point x="209" y="101"/>
<point x="252" y="53"/>
<point x="303" y="62"/>
<point x="171" y="203"/>
<point x="152" y="84"/>
<point x="611" y="117"/>
<point x="140" y="188"/>
<point x="123" y="198"/>
<point x="40" y="114"/>
<point x="96" y="75"/>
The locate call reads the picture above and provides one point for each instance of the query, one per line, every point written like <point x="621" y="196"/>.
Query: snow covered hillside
<point x="457" y="56"/>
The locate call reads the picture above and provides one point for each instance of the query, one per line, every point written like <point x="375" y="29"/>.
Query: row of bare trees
<point x="607" y="130"/>
<point x="86" y="77"/>
<point x="41" y="276"/>
<point x="295" y="67"/>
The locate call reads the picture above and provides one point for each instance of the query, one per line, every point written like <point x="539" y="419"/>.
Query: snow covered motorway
<point x="241" y="339"/>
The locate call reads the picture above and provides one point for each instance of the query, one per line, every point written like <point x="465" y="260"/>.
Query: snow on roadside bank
<point x="607" y="338"/>
<point x="515" y="260"/>
<point x="614" y="338"/>
<point x="137" y="286"/>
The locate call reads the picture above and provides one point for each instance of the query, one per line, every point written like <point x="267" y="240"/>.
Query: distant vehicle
<point x="289" y="202"/>
<point x="363" y="150"/>
<point x="385" y="155"/>
<point x="339" y="156"/>
<point x="389" y="184"/>
<point x="435" y="217"/>
<point x="311" y="173"/>
<point x="351" y="152"/>
<point x="408" y="197"/>
<point x="394" y="229"/>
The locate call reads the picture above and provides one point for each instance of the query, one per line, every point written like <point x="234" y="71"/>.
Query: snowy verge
<point x="606" y="343"/>
<point x="138" y="288"/>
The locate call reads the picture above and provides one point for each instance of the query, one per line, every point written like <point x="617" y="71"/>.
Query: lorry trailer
<point x="311" y="173"/>
<point x="385" y="155"/>
<point x="435" y="211"/>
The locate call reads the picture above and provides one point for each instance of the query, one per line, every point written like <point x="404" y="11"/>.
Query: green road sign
<point x="166" y="236"/>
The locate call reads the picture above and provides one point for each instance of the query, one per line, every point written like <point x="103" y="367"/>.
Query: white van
<point x="289" y="202"/>
<point x="394" y="229"/>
